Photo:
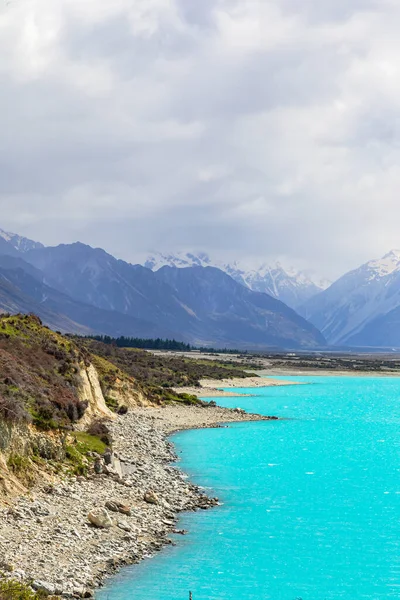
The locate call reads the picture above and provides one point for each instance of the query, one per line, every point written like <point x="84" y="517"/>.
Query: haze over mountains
<point x="76" y="288"/>
<point x="288" y="285"/>
<point x="81" y="289"/>
<point x="362" y="308"/>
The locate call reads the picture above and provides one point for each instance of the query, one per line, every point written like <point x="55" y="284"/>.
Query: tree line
<point x="157" y="344"/>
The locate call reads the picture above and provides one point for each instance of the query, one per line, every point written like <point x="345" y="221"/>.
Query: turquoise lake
<point x="311" y="504"/>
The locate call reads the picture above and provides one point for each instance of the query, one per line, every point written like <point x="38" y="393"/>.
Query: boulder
<point x="108" y="457"/>
<point x="124" y="526"/>
<point x="124" y="509"/>
<point x="151" y="498"/>
<point x="119" y="507"/>
<point x="111" y="505"/>
<point x="44" y="586"/>
<point x="98" y="466"/>
<point x="99" y="517"/>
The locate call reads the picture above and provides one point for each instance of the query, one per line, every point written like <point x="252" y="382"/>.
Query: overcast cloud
<point x="249" y="128"/>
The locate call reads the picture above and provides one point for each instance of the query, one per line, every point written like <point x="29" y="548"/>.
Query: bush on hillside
<point x="40" y="374"/>
<point x="154" y="371"/>
<point x="12" y="410"/>
<point x="15" y="590"/>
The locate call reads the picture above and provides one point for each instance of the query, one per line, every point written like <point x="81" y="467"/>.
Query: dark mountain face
<point x="15" y="263"/>
<point x="87" y="290"/>
<point x="21" y="292"/>
<point x="7" y="249"/>
<point x="381" y="332"/>
<point x="94" y="277"/>
<point x="226" y="309"/>
<point x="13" y="300"/>
<point x="361" y="308"/>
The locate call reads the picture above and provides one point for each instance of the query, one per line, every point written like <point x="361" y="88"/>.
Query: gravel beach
<point x="68" y="537"/>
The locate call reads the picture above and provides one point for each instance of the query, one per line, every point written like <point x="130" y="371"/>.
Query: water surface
<point x="311" y="504"/>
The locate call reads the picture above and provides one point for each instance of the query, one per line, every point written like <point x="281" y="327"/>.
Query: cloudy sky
<point x="253" y="129"/>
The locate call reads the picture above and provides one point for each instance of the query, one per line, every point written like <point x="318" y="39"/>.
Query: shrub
<point x="39" y="374"/>
<point x="15" y="590"/>
<point x="13" y="411"/>
<point x="79" y="465"/>
<point x="111" y="403"/>
<point x="18" y="464"/>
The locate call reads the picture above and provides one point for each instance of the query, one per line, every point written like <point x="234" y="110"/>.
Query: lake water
<point x="311" y="504"/>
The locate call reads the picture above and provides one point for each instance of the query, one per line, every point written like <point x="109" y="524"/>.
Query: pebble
<point x="69" y="538"/>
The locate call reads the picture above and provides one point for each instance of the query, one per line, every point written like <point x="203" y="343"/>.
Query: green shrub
<point x="15" y="590"/>
<point x="75" y="457"/>
<point x="18" y="464"/>
<point x="111" y="403"/>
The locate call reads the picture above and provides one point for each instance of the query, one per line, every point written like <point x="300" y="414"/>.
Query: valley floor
<point x="46" y="537"/>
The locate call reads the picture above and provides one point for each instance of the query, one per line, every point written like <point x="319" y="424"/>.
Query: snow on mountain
<point x="20" y="243"/>
<point x="290" y="286"/>
<point x="346" y="311"/>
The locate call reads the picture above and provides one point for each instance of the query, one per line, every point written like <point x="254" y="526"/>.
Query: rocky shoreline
<point x="67" y="538"/>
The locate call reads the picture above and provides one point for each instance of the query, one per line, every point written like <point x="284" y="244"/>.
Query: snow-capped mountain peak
<point x="19" y="242"/>
<point x="180" y="260"/>
<point x="385" y="265"/>
<point x="287" y="285"/>
<point x="362" y="307"/>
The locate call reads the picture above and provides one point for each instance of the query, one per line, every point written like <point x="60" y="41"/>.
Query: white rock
<point x="99" y="517"/>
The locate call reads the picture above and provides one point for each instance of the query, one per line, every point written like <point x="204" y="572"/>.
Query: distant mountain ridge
<point x="79" y="289"/>
<point x="220" y="313"/>
<point x="18" y="242"/>
<point x="290" y="286"/>
<point x="188" y="296"/>
<point x="233" y="311"/>
<point x="361" y="305"/>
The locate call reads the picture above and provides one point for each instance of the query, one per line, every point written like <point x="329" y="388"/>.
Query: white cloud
<point x="245" y="127"/>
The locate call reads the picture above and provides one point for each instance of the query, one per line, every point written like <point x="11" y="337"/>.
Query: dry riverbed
<point x="47" y="537"/>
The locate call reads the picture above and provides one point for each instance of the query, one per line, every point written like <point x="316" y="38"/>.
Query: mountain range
<point x="362" y="308"/>
<point x="76" y="288"/>
<point x="292" y="287"/>
<point x="190" y="297"/>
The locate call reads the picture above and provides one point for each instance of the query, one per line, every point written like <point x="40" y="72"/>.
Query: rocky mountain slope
<point x="18" y="242"/>
<point x="290" y="286"/>
<point x="362" y="307"/>
<point x="22" y="289"/>
<point x="47" y="386"/>
<point x="93" y="277"/>
<point x="228" y="311"/>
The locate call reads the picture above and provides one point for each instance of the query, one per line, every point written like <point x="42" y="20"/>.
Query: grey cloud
<point x="329" y="10"/>
<point x="199" y="14"/>
<point x="248" y="129"/>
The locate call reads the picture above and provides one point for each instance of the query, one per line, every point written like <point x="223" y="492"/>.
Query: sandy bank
<point x="212" y="388"/>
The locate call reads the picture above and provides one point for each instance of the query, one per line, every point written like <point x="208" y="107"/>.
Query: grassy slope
<point x="39" y="373"/>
